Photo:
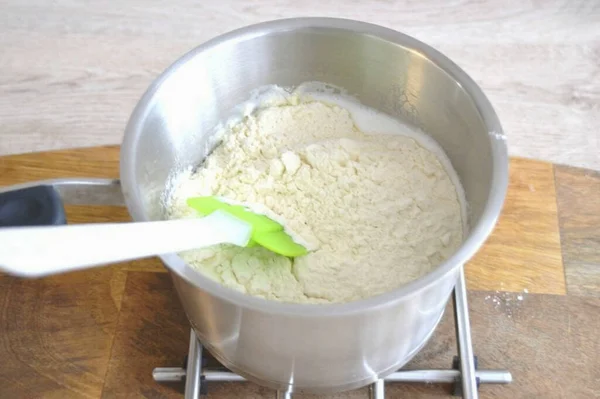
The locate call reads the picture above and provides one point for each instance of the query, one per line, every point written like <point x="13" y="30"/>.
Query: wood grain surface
<point x="578" y="193"/>
<point x="71" y="71"/>
<point x="56" y="334"/>
<point x="83" y="162"/>
<point x="99" y="333"/>
<point x="524" y="250"/>
<point x="152" y="330"/>
<point x="548" y="342"/>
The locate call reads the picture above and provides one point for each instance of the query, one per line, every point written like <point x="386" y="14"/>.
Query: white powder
<point x="376" y="210"/>
<point x="507" y="302"/>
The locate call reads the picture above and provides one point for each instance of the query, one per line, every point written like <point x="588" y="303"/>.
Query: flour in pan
<point x="377" y="210"/>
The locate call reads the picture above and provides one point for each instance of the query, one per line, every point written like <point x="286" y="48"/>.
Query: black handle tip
<point x="32" y="206"/>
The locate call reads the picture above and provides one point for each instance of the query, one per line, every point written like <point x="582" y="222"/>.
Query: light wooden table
<point x="71" y="71"/>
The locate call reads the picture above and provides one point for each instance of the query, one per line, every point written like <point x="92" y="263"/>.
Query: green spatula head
<point x="265" y="231"/>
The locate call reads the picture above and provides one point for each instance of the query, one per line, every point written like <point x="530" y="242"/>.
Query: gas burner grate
<point x="464" y="374"/>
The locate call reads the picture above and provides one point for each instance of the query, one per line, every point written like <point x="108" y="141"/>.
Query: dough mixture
<point x="376" y="210"/>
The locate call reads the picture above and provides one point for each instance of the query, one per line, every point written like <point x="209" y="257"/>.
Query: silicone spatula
<point x="266" y="232"/>
<point x="44" y="250"/>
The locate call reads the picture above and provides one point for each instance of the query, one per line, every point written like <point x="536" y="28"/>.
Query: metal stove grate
<point x="464" y="373"/>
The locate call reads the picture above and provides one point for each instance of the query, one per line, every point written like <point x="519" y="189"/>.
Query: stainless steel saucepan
<point x="316" y="348"/>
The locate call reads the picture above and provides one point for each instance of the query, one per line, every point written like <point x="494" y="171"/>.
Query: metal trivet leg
<point x="377" y="389"/>
<point x="464" y="374"/>
<point x="468" y="379"/>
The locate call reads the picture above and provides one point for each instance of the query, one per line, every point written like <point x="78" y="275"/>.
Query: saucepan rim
<point x="470" y="246"/>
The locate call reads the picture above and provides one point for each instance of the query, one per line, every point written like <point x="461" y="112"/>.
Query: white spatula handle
<point x="40" y="251"/>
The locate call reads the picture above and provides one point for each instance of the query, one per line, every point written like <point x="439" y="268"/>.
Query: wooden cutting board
<point x="99" y="333"/>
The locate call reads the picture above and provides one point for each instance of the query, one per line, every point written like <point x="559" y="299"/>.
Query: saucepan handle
<point x="41" y="203"/>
